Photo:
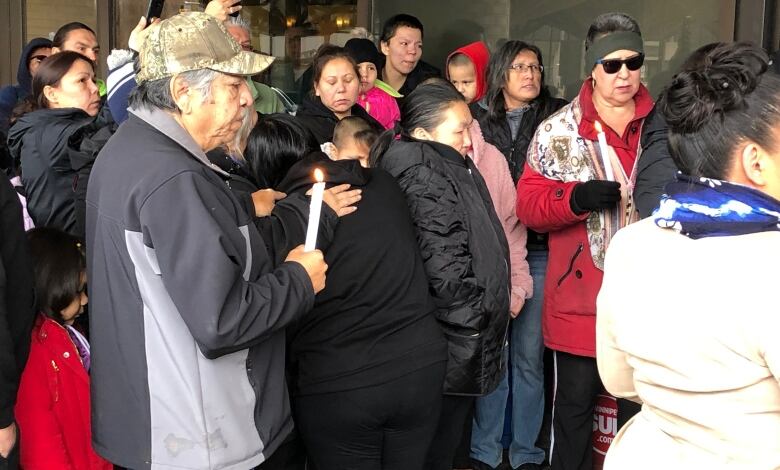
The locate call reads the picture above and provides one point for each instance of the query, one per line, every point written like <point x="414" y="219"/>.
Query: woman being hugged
<point x="687" y="314"/>
<point x="567" y="191"/>
<point x="463" y="245"/>
<point x="52" y="409"/>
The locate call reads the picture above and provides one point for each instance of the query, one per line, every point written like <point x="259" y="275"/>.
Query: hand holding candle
<point x="604" y="149"/>
<point x="315" y="208"/>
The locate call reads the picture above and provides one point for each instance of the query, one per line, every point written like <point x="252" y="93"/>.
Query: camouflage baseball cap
<point x="193" y="41"/>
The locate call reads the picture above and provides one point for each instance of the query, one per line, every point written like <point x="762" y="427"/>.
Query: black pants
<point x="455" y="410"/>
<point x="382" y="427"/>
<point x="288" y="456"/>
<point x="577" y="386"/>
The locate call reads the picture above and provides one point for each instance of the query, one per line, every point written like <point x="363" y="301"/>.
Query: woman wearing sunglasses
<point x="567" y="191"/>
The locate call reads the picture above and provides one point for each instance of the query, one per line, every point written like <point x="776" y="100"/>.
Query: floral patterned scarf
<point x="705" y="207"/>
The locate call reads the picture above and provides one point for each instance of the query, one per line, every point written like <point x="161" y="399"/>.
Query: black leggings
<point x="383" y="427"/>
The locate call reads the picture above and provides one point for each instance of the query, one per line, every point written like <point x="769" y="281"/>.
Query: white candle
<point x="314" y="211"/>
<point x="604" y="148"/>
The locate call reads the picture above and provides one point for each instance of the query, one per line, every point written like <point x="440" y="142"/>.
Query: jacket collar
<point x="642" y="100"/>
<point x="56" y="339"/>
<point x="164" y="122"/>
<point x="446" y="152"/>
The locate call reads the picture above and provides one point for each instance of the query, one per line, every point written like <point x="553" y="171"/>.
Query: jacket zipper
<point x="571" y="264"/>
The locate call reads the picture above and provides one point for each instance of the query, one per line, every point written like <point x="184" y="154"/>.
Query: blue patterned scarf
<point x="704" y="207"/>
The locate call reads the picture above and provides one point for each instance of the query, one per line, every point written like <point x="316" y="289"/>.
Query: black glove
<point x="594" y="195"/>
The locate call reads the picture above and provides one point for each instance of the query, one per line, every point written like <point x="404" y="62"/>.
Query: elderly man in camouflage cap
<point x="187" y="312"/>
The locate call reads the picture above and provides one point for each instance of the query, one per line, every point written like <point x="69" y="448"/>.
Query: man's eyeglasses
<point x="614" y="65"/>
<point x="523" y="68"/>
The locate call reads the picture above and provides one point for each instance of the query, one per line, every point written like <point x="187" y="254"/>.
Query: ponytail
<point x="423" y="108"/>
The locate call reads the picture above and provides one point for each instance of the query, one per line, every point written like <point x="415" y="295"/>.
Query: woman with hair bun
<point x="687" y="313"/>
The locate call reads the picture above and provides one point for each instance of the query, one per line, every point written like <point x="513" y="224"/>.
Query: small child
<point x="352" y="140"/>
<point x="466" y="70"/>
<point x="373" y="96"/>
<point x="53" y="404"/>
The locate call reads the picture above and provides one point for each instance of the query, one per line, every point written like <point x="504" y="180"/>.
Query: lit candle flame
<point x="598" y="127"/>
<point x="318" y="175"/>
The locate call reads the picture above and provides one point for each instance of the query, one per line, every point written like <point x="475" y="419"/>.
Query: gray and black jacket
<point x="187" y="312"/>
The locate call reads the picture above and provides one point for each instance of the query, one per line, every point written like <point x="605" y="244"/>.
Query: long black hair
<point x="275" y="144"/>
<point x="711" y="109"/>
<point x="423" y="108"/>
<point x="497" y="74"/>
<point x="58" y="264"/>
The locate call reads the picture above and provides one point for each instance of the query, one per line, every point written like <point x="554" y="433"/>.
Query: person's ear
<point x="316" y="89"/>
<point x="757" y="164"/>
<point x="181" y="93"/>
<point x="384" y="47"/>
<point x="51" y="94"/>
<point x="55" y="50"/>
<point x="421" y="134"/>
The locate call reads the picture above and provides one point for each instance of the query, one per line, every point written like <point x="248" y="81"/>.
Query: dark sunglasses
<point x="614" y="65"/>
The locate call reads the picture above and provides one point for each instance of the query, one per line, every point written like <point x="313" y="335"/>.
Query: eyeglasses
<point x="614" y="65"/>
<point x="523" y="68"/>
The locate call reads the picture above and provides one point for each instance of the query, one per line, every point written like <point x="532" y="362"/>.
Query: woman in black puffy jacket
<point x="57" y="142"/>
<point x="463" y="246"/>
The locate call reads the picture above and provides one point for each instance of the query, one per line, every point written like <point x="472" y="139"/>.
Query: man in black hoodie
<point x="32" y="55"/>
<point x="34" y="52"/>
<point x="16" y="316"/>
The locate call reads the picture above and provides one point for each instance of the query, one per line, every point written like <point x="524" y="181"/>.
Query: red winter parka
<point x="52" y="407"/>
<point x="562" y="155"/>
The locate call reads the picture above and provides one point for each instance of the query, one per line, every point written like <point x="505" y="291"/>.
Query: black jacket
<point x="16" y="299"/>
<point x="374" y="321"/>
<point x="498" y="133"/>
<point x="465" y="255"/>
<point x="56" y="149"/>
<point x="285" y="228"/>
<point x="655" y="167"/>
<point x="320" y="121"/>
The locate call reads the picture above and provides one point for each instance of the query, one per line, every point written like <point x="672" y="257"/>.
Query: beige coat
<point x="691" y="328"/>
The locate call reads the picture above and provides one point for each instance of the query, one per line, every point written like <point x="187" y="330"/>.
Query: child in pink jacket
<point x="373" y="96"/>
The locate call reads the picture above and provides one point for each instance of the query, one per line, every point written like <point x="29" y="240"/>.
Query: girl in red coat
<point x="52" y="408"/>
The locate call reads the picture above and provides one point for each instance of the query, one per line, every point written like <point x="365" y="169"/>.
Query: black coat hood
<point x="301" y="175"/>
<point x="23" y="77"/>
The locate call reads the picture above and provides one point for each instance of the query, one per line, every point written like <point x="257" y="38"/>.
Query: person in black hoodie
<point x="57" y="143"/>
<point x="32" y="55"/>
<point x="515" y="103"/>
<point x="463" y="246"/>
<point x="401" y="46"/>
<point x="17" y="314"/>
<point x="335" y="94"/>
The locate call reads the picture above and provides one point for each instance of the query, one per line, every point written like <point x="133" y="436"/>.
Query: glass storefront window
<point x="671" y="30"/>
<point x="42" y="23"/>
<point x="293" y="30"/>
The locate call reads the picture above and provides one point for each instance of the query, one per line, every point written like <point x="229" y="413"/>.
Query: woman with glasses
<point x="515" y="103"/>
<point x="577" y="187"/>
